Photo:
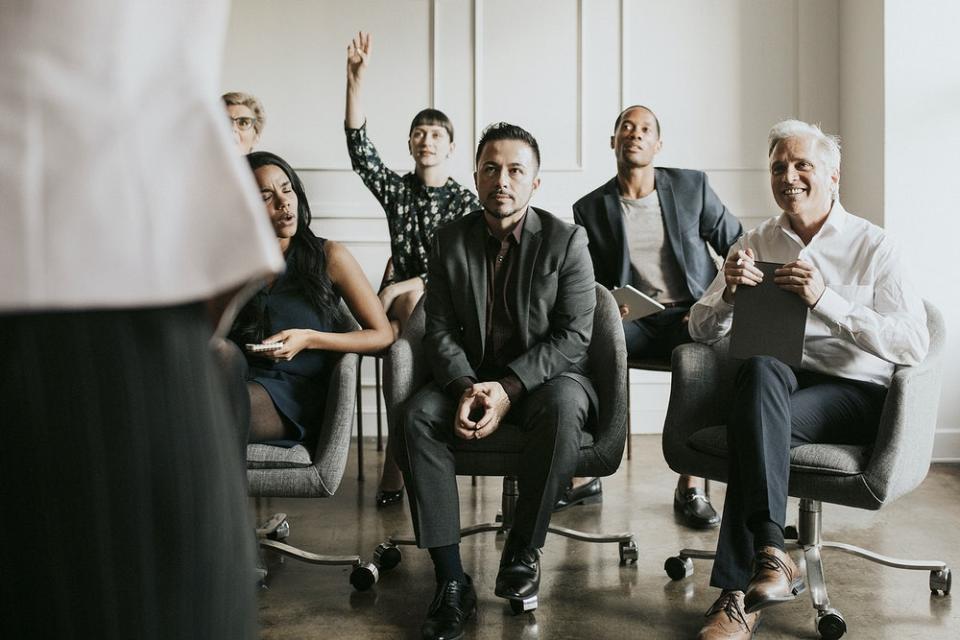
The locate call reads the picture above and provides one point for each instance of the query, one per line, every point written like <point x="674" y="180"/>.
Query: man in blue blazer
<point x="650" y="228"/>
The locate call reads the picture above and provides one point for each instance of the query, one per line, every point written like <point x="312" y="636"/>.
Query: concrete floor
<point x="585" y="592"/>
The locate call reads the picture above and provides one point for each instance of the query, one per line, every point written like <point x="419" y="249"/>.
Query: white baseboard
<point x="946" y="445"/>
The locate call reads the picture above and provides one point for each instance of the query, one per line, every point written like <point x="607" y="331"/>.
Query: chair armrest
<point x="333" y="443"/>
<point x="607" y="364"/>
<point x="406" y="369"/>
<point x="905" y="437"/>
<point x="700" y="386"/>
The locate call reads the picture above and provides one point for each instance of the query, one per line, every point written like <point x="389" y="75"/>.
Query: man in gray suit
<point x="509" y="315"/>
<point x="649" y="228"/>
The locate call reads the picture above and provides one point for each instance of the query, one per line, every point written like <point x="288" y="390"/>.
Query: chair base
<point x="387" y="555"/>
<point x="277" y="528"/>
<point x="830" y="623"/>
<point x="627" y="545"/>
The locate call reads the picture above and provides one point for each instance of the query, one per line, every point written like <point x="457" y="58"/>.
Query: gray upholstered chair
<point x="297" y="473"/>
<point x="864" y="477"/>
<point x="601" y="451"/>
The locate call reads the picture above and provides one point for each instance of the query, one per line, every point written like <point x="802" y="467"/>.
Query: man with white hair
<point x="864" y="319"/>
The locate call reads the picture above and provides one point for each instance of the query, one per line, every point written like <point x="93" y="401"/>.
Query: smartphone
<point x="266" y="346"/>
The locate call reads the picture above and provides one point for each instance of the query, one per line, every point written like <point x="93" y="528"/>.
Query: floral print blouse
<point x="414" y="211"/>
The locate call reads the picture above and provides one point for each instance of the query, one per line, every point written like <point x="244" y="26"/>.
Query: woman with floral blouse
<point x="415" y="205"/>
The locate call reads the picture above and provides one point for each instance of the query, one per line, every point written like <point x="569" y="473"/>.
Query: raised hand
<point x="358" y="57"/>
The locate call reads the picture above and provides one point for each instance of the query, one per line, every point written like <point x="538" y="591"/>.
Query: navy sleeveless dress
<point x="297" y="386"/>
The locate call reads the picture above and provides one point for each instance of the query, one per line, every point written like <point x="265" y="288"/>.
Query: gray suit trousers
<point x="550" y="420"/>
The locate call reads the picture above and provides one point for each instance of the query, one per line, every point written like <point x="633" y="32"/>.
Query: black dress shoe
<point x="386" y="498"/>
<point x="454" y="603"/>
<point x="692" y="507"/>
<point x="519" y="575"/>
<point x="589" y="493"/>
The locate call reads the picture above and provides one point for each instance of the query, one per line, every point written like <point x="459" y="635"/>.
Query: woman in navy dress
<point x="300" y="311"/>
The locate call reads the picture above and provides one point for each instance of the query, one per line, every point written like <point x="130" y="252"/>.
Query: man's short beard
<point x="501" y="216"/>
<point x="504" y="216"/>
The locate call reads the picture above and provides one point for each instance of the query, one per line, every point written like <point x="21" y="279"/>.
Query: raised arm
<point x="358" y="56"/>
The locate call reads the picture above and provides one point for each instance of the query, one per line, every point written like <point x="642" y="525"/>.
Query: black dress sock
<point x="766" y="532"/>
<point x="446" y="563"/>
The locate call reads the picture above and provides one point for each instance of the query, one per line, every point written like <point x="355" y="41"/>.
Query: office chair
<point x="295" y="473"/>
<point x="642" y="364"/>
<point x="866" y="477"/>
<point x="600" y="450"/>
<point x="378" y="392"/>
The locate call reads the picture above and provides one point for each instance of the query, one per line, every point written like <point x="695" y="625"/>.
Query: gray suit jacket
<point x="693" y="216"/>
<point x="555" y="298"/>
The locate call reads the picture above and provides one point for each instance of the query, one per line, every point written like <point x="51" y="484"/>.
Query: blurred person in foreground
<point x="128" y="222"/>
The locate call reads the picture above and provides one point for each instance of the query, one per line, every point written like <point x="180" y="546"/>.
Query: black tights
<point x="253" y="412"/>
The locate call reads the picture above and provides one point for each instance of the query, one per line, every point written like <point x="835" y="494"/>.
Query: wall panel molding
<point x="478" y="24"/>
<point x="432" y="89"/>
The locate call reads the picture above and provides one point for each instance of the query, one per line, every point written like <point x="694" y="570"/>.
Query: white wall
<point x="717" y="74"/>
<point x="862" y="108"/>
<point x="921" y="159"/>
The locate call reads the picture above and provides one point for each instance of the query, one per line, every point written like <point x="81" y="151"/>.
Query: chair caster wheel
<point x="387" y="556"/>
<point x="522" y="606"/>
<point x="678" y="567"/>
<point x="940" y="582"/>
<point x="628" y="552"/>
<point x="364" y="576"/>
<point x="790" y="533"/>
<point x="830" y="624"/>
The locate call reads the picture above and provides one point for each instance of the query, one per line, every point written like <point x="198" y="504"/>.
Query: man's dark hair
<point x="507" y="131"/>
<point x="616" y="125"/>
<point x="434" y="117"/>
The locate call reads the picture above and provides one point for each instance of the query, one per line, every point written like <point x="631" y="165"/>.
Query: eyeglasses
<point x="243" y="123"/>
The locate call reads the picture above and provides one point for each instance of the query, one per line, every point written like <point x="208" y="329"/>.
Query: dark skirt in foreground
<point x="123" y="494"/>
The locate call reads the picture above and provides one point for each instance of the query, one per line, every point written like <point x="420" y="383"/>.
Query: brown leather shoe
<point x="726" y="619"/>
<point x="775" y="579"/>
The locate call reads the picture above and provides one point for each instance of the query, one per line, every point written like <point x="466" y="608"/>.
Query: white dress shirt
<point x="869" y="317"/>
<point x="120" y="184"/>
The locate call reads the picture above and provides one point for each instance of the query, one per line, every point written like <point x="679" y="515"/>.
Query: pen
<point x="740" y="260"/>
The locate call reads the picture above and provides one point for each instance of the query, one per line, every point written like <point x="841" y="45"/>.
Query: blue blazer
<point x="693" y="216"/>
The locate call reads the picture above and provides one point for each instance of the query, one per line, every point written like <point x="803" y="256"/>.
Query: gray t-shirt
<point x="655" y="271"/>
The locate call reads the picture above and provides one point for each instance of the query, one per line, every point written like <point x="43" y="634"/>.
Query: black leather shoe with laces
<point x="519" y="576"/>
<point x="454" y="603"/>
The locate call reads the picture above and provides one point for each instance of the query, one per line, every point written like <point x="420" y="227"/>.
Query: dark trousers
<point x="549" y="421"/>
<point x="657" y="335"/>
<point x="123" y="494"/>
<point x="775" y="408"/>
